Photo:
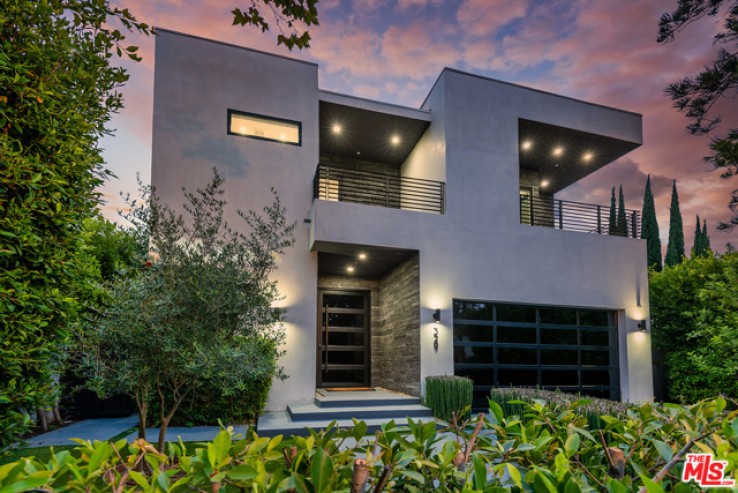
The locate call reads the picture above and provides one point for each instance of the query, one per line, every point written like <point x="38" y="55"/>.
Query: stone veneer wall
<point x="395" y="324"/>
<point x="396" y="342"/>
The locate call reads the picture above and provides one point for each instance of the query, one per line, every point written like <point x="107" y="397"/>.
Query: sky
<point x="601" y="51"/>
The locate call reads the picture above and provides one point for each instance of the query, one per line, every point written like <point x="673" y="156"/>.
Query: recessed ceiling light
<point x="395" y="139"/>
<point x="362" y="256"/>
<point x="350" y="269"/>
<point x="336" y="128"/>
<point x="526" y="145"/>
<point x="587" y="156"/>
<point x="544" y="183"/>
<point x="558" y="151"/>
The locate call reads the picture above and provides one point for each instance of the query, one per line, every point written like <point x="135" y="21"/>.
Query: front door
<point x="343" y="339"/>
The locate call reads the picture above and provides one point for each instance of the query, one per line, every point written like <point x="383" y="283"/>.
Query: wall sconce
<point x="436" y="320"/>
<point x="642" y="326"/>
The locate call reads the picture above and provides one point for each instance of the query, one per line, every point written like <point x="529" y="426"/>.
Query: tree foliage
<point x="694" y="313"/>
<point x="696" y="96"/>
<point x="57" y="92"/>
<point x="200" y="315"/>
<point x="650" y="229"/>
<point x="287" y="14"/>
<point x="622" y="218"/>
<point x="612" y="223"/>
<point x="546" y="447"/>
<point x="675" y="248"/>
<point x="701" y="246"/>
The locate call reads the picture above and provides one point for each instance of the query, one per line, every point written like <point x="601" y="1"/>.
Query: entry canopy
<point x="364" y="261"/>
<point x="563" y="156"/>
<point x="369" y="130"/>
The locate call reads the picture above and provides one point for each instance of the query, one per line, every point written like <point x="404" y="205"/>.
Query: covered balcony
<point x="551" y="159"/>
<point x="364" y="186"/>
<point x="574" y="216"/>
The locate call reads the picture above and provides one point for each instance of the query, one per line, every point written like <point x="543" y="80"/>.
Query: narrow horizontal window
<point x="264" y="128"/>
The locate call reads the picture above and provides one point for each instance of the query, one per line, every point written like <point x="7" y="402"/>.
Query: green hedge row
<point x="546" y="448"/>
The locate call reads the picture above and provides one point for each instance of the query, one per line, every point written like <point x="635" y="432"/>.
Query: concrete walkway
<point x="89" y="429"/>
<point x="189" y="434"/>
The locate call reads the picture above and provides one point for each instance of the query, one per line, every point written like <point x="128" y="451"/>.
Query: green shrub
<point x="694" y="322"/>
<point x="546" y="448"/>
<point x="514" y="400"/>
<point x="447" y="395"/>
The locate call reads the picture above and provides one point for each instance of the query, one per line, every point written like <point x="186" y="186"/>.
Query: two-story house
<point x="430" y="240"/>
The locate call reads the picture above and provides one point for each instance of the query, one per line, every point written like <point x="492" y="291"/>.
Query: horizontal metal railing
<point x="574" y="216"/>
<point x="374" y="188"/>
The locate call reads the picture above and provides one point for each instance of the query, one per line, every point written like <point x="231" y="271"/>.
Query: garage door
<point x="552" y="347"/>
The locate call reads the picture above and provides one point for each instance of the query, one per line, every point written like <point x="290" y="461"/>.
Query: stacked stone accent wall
<point x="396" y="342"/>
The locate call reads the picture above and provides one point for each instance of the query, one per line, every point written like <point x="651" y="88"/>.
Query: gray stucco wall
<point x="196" y="82"/>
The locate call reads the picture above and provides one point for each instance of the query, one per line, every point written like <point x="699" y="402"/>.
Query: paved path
<point x="89" y="429"/>
<point x="189" y="434"/>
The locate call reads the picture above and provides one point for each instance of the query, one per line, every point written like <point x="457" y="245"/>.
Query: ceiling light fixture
<point x="395" y="139"/>
<point x="558" y="151"/>
<point x="587" y="157"/>
<point x="336" y="128"/>
<point x="544" y="183"/>
<point x="526" y="145"/>
<point x="362" y="256"/>
<point x="350" y="269"/>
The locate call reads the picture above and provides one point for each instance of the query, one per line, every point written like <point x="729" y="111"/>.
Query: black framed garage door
<point x="503" y="345"/>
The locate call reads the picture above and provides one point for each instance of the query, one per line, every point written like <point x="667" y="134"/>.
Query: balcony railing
<point x="574" y="216"/>
<point x="373" y="188"/>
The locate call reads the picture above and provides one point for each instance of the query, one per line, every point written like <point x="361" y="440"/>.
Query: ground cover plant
<point x="544" y="448"/>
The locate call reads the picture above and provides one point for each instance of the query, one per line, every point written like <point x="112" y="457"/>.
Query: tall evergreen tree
<point x="675" y="250"/>
<point x="705" y="238"/>
<point x="697" y="245"/>
<point x="622" y="219"/>
<point x="612" y="226"/>
<point x="650" y="229"/>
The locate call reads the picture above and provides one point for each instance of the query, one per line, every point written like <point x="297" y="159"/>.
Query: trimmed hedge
<point x="547" y="448"/>
<point x="447" y="395"/>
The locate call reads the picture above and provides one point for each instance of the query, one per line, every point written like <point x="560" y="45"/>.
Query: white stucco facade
<point x="477" y="249"/>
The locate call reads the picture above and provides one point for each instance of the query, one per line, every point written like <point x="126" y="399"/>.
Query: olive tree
<point x="200" y="315"/>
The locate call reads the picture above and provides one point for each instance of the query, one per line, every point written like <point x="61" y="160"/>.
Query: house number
<point x="435" y="339"/>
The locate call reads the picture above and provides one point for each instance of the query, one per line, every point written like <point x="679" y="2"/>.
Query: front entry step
<point x="374" y="407"/>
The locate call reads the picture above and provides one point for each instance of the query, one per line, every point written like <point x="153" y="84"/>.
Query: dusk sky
<point x="602" y="51"/>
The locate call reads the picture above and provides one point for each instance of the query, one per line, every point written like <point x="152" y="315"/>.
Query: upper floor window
<point x="264" y="127"/>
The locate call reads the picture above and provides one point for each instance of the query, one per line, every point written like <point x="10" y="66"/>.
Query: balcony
<point x="372" y="188"/>
<point x="573" y="216"/>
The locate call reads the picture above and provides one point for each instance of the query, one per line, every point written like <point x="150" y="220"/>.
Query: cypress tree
<point x="705" y="238"/>
<point x="675" y="250"/>
<point x="697" y="246"/>
<point x="612" y="226"/>
<point x="622" y="219"/>
<point x="650" y="229"/>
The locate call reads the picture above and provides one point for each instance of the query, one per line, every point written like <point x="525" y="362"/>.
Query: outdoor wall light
<point x="642" y="326"/>
<point x="436" y="319"/>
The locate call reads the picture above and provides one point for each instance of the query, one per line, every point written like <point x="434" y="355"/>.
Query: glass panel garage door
<point x="503" y="345"/>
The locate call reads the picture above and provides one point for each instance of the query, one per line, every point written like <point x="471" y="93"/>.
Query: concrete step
<point x="327" y="398"/>
<point x="313" y="412"/>
<point x="279" y="423"/>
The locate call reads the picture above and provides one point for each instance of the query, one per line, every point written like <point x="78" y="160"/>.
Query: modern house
<point x="430" y="240"/>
